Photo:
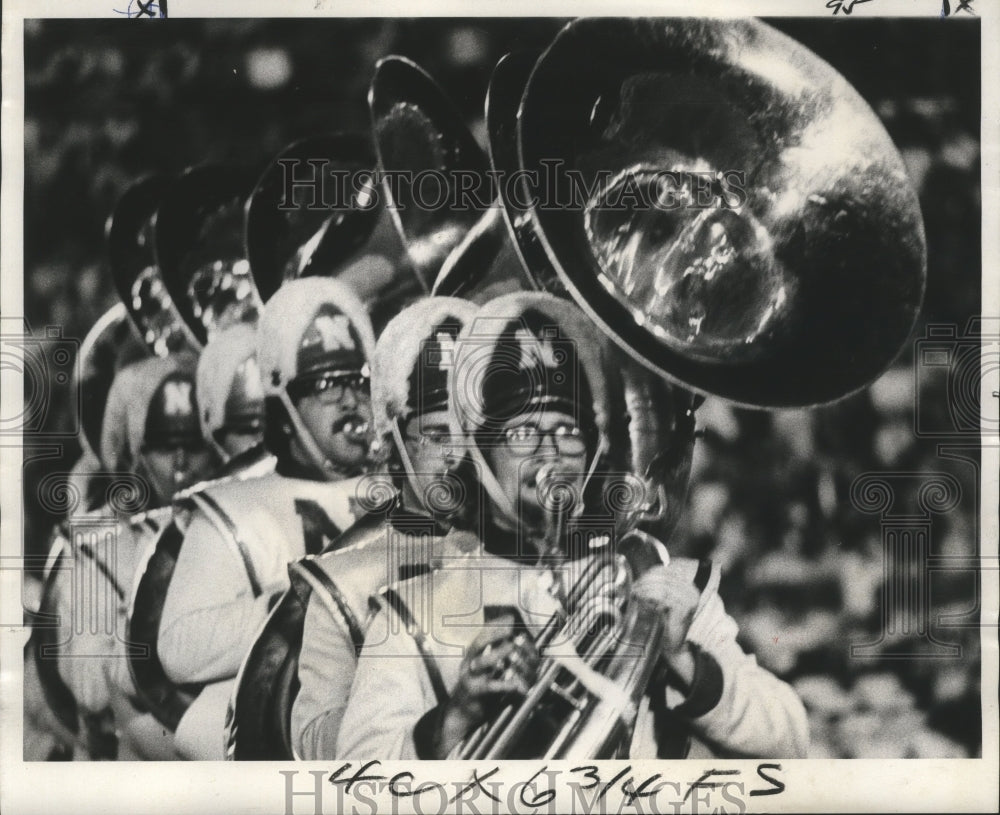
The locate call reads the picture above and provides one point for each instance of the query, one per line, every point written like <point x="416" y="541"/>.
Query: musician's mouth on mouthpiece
<point x="354" y="427"/>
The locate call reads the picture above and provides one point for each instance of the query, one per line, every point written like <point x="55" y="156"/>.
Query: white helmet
<point x="521" y="352"/>
<point x="413" y="359"/>
<point x="311" y="326"/>
<point x="230" y="394"/>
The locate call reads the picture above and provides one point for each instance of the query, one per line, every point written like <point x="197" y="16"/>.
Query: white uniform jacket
<point x="92" y="599"/>
<point x="232" y="565"/>
<point x="339" y="613"/>
<point x="415" y="644"/>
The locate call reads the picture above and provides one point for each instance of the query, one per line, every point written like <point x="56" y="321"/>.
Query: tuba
<point x="130" y="233"/>
<point x="330" y="223"/>
<point x="419" y="135"/>
<point x="598" y="656"/>
<point x="111" y="344"/>
<point x="694" y="195"/>
<point x="199" y="249"/>
<point x="709" y="212"/>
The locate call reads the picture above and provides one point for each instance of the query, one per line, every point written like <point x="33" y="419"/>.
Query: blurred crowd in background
<point x="804" y="568"/>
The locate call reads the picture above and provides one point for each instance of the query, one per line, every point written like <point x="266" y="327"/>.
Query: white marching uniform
<point x="94" y="595"/>
<point x="232" y="565"/>
<point x="414" y="649"/>
<point x="339" y="613"/>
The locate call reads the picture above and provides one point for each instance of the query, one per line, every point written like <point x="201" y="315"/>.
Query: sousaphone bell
<point x="199" y="249"/>
<point x="436" y="181"/>
<point x="316" y="211"/>
<point x="130" y="236"/>
<point x="795" y="279"/>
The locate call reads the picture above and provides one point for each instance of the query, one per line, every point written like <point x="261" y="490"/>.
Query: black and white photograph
<point x="500" y="414"/>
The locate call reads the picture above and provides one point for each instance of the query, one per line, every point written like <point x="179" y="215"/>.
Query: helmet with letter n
<point x="151" y="444"/>
<point x="409" y="373"/>
<point x="411" y="366"/>
<point x="151" y="426"/>
<point x="314" y="343"/>
<point x="528" y="352"/>
<point x="230" y="394"/>
<point x="526" y="356"/>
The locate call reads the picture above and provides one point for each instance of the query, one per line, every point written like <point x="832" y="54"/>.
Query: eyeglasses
<point x="430" y="436"/>
<point x="330" y="388"/>
<point x="526" y="439"/>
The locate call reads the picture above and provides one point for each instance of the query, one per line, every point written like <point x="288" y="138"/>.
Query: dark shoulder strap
<point x="316" y="572"/>
<point x="414" y="630"/>
<point x="227" y="528"/>
<point x="318" y="530"/>
<point x="703" y="574"/>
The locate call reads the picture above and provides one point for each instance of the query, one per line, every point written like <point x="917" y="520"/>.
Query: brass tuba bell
<point x="723" y="204"/>
<point x="423" y="149"/>
<point x="130" y="235"/>
<point x="315" y="211"/>
<point x="199" y="249"/>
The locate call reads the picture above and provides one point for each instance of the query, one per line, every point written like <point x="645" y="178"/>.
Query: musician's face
<point x="172" y="468"/>
<point x="529" y="443"/>
<point x="338" y="417"/>
<point x="431" y="450"/>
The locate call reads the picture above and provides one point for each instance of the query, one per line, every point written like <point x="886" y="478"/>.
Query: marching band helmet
<point x="229" y="390"/>
<point x="199" y="249"/>
<point x="411" y="366"/>
<point x="311" y="328"/>
<point x="152" y="406"/>
<point x="412" y="359"/>
<point x="522" y="353"/>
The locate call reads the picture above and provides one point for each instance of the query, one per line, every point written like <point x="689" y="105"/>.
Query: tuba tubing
<point x="602" y="685"/>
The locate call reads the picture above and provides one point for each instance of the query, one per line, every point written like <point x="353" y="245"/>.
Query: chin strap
<point x="218" y="448"/>
<point x="404" y="458"/>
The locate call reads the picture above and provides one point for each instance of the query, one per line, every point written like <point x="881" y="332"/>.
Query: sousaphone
<point x="199" y="249"/>
<point x="316" y="211"/>
<point x="725" y="206"/>
<point x="435" y="177"/>
<point x="130" y="236"/>
<point x="110" y="345"/>
<point x="729" y="210"/>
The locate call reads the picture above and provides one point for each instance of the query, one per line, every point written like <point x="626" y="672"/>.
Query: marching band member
<point x="531" y="393"/>
<point x="410" y="371"/>
<point x="313" y="345"/>
<point x="231" y="411"/>
<point x="110" y="345"/>
<point x="231" y="396"/>
<point x="150" y="429"/>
